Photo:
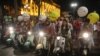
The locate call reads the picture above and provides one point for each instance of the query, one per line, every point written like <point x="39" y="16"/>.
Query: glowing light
<point x="86" y="35"/>
<point x="29" y="33"/>
<point x="41" y="33"/>
<point x="11" y="30"/>
<point x="74" y="5"/>
<point x="58" y="38"/>
<point x="22" y="12"/>
<point x="31" y="8"/>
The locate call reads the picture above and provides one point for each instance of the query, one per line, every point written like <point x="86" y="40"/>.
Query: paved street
<point x="11" y="52"/>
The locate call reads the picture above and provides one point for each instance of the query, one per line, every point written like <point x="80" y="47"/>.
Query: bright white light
<point x="29" y="33"/>
<point x="74" y="5"/>
<point x="58" y="38"/>
<point x="41" y="33"/>
<point x="11" y="30"/>
<point x="86" y="35"/>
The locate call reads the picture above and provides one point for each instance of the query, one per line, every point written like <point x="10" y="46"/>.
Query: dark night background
<point x="92" y="5"/>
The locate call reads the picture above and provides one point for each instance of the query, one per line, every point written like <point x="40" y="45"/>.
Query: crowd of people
<point x="64" y="26"/>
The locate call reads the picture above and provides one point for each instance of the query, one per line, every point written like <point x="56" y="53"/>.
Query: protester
<point x="64" y="29"/>
<point x="87" y="27"/>
<point x="76" y="27"/>
<point x="47" y="27"/>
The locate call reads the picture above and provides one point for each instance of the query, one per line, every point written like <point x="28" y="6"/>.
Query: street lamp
<point x="73" y="5"/>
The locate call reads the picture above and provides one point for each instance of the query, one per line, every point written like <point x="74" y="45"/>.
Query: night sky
<point x="92" y="5"/>
<point x="11" y="2"/>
